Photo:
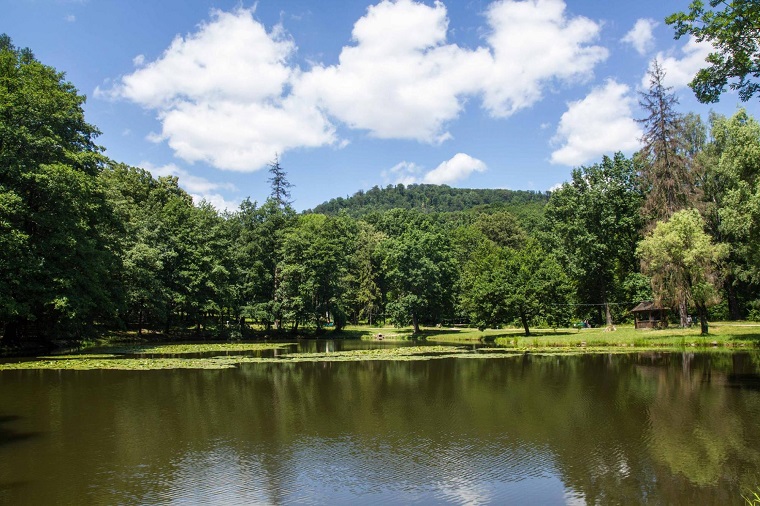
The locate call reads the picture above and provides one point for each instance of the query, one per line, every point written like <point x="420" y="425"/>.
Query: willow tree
<point x="682" y="262"/>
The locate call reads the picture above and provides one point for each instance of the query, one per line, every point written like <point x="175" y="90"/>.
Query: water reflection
<point x="650" y="428"/>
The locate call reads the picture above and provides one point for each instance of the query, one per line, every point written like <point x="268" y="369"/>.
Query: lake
<point x="655" y="428"/>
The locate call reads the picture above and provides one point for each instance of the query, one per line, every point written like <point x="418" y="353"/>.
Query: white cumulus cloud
<point x="402" y="173"/>
<point x="220" y="94"/>
<point x="400" y="79"/>
<point x="458" y="168"/>
<point x="231" y="57"/>
<point x="681" y="66"/>
<point x="230" y="95"/>
<point x="534" y="43"/>
<point x="599" y="124"/>
<point x="641" y="36"/>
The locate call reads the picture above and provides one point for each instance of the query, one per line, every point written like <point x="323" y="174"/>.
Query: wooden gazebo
<point x="649" y="315"/>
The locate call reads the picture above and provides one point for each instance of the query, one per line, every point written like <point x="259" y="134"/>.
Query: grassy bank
<point x="722" y="335"/>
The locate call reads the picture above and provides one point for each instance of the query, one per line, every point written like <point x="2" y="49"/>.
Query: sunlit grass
<point x="722" y="335"/>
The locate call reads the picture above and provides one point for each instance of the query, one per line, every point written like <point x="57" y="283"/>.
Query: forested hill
<point x="434" y="198"/>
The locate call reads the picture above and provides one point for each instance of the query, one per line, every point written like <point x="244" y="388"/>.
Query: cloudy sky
<point x="353" y="94"/>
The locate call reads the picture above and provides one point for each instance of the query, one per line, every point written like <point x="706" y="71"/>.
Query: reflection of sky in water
<point x="345" y="470"/>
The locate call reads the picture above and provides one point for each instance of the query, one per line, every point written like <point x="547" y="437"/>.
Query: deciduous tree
<point x="420" y="271"/>
<point x="682" y="262"/>
<point x="733" y="29"/>
<point x="57" y="260"/>
<point x="592" y="223"/>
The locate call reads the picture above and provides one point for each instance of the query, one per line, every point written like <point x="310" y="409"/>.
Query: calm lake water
<point x="598" y="429"/>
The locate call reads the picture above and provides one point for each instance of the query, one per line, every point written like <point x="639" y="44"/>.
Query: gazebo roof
<point x="648" y="305"/>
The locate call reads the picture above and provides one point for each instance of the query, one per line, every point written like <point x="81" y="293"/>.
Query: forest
<point x="89" y="245"/>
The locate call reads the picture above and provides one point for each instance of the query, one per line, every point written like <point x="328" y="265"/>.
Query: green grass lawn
<point x="722" y="335"/>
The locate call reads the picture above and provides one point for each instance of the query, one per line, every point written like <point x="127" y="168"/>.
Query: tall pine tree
<point x="665" y="176"/>
<point x="279" y="184"/>
<point x="666" y="179"/>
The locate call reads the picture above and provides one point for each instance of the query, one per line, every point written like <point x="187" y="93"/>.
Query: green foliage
<point x="682" y="261"/>
<point x="737" y="153"/>
<point x="364" y="277"/>
<point x="592" y="224"/>
<point x="280" y="185"/>
<point x="57" y="255"/>
<point x="175" y="255"/>
<point x="312" y="265"/>
<point x="257" y="233"/>
<point x="85" y="241"/>
<point x="419" y="270"/>
<point x="503" y="285"/>
<point x="731" y="164"/>
<point x="429" y="198"/>
<point x="733" y="32"/>
<point x="502" y="228"/>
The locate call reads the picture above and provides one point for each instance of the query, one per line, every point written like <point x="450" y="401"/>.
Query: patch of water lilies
<point x="87" y="362"/>
<point x="400" y="353"/>
<point x="148" y="357"/>
<point x="193" y="348"/>
<point x="130" y="358"/>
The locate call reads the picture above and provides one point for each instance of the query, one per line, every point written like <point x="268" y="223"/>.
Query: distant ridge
<point x="434" y="198"/>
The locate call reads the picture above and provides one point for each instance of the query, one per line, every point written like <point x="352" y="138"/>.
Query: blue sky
<point x="473" y="94"/>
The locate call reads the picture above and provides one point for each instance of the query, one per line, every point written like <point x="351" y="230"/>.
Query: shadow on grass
<point x="753" y="337"/>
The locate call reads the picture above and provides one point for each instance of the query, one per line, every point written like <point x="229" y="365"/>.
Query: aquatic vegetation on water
<point x="165" y="356"/>
<point x="191" y="348"/>
<point x="84" y="363"/>
<point x="128" y="361"/>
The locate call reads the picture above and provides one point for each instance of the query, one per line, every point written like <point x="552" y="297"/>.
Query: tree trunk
<point x="607" y="314"/>
<point x="524" y="320"/>
<point x="11" y="333"/>
<point x="139" y="321"/>
<point x="734" y="311"/>
<point x="702" y="310"/>
<point x="683" y="312"/>
<point x="168" y="323"/>
<point x="416" y="323"/>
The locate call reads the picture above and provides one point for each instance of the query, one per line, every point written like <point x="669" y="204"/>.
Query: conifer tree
<point x="667" y="182"/>
<point x="279" y="184"/>
<point x="665" y="176"/>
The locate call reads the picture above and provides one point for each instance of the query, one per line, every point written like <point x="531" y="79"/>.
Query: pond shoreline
<point x="121" y="354"/>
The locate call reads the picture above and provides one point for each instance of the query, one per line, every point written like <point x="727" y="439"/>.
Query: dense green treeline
<point x="430" y="197"/>
<point x="87" y="243"/>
